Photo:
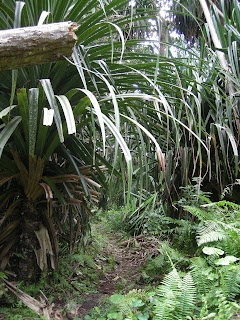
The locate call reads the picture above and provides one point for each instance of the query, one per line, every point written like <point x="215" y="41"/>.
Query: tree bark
<point x="28" y="46"/>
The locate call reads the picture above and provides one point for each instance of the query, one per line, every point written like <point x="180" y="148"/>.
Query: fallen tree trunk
<point x="28" y="46"/>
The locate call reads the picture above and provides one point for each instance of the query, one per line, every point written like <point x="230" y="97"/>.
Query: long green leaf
<point x="24" y="111"/>
<point x="6" y="111"/>
<point x="47" y="87"/>
<point x="98" y="112"/>
<point x="125" y="150"/>
<point x="68" y="113"/>
<point x="18" y="11"/>
<point x="6" y="133"/>
<point x="33" y="117"/>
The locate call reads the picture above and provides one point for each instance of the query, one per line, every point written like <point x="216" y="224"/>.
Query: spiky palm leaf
<point x="41" y="167"/>
<point x="38" y="173"/>
<point x="181" y="101"/>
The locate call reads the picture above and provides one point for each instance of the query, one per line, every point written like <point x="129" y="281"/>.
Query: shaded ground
<point x="118" y="265"/>
<point x="122" y="270"/>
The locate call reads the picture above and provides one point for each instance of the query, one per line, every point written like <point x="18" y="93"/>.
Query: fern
<point x="230" y="281"/>
<point x="227" y="204"/>
<point x="232" y="245"/>
<point x="172" y="282"/>
<point x="169" y="292"/>
<point x="225" y="309"/>
<point x="125" y="302"/>
<point x="219" y="221"/>
<point x="187" y="297"/>
<point x="177" y="297"/>
<point x="210" y="231"/>
<point x="166" y="250"/>
<point x="229" y="188"/>
<point x="84" y="259"/>
<point x="198" y="212"/>
<point x="202" y="276"/>
<point x="164" y="309"/>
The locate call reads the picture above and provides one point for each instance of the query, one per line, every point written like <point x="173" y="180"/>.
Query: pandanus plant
<point x="44" y="178"/>
<point x="49" y="173"/>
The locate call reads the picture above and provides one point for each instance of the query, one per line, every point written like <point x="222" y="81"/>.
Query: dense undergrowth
<point x="190" y="268"/>
<point x="78" y="275"/>
<point x="186" y="105"/>
<point x="196" y="274"/>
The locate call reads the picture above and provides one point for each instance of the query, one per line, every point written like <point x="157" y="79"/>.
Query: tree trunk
<point x="23" y="261"/>
<point x="33" y="251"/>
<point x="28" y="46"/>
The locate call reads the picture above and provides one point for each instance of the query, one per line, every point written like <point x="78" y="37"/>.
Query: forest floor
<point x="117" y="262"/>
<point x="122" y="260"/>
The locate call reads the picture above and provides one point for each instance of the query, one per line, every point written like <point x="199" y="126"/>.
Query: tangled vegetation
<point x="143" y="145"/>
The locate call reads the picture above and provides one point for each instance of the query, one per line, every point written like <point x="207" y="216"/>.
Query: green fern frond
<point x="166" y="249"/>
<point x="169" y="292"/>
<point x="164" y="310"/>
<point x="225" y="309"/>
<point x="227" y="204"/>
<point x="177" y="297"/>
<point x="228" y="226"/>
<point x="210" y="231"/>
<point x="89" y="261"/>
<point x="211" y="237"/>
<point x="84" y="259"/>
<point x="201" y="274"/>
<point x="198" y="212"/>
<point x="230" y="281"/>
<point x="187" y="297"/>
<point x="232" y="245"/>
<point x="124" y="302"/>
<point x="172" y="282"/>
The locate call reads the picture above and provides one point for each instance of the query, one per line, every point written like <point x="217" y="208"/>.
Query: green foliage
<point x="189" y="111"/>
<point x="157" y="266"/>
<point x="131" y="303"/>
<point x="115" y="219"/>
<point x="218" y="225"/>
<point x="209" y="290"/>
<point x="32" y="178"/>
<point x="178" y="296"/>
<point x="39" y="169"/>
<point x="192" y="195"/>
<point x="215" y="289"/>
<point x="219" y="222"/>
<point x="214" y="277"/>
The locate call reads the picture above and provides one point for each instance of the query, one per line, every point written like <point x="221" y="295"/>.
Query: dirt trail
<point x="118" y="265"/>
<point x="122" y="272"/>
<point x="122" y="269"/>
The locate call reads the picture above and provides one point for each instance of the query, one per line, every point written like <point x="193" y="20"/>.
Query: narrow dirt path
<point x="122" y="268"/>
<point x="117" y="266"/>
